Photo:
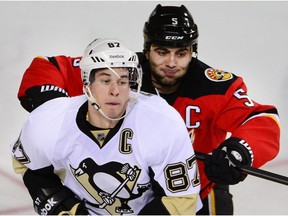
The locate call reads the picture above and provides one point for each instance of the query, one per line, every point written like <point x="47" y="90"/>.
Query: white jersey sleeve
<point x="39" y="136"/>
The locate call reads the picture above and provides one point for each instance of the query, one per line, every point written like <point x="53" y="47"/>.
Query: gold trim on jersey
<point x="18" y="167"/>
<point x="211" y="202"/>
<point x="184" y="205"/>
<point x="100" y="135"/>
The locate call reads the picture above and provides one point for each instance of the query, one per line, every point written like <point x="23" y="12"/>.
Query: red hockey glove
<point x="220" y="166"/>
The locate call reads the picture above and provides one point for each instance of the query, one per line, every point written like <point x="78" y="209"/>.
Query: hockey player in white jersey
<point x="110" y="151"/>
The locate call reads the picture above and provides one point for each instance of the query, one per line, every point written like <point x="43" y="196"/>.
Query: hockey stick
<point x="254" y="171"/>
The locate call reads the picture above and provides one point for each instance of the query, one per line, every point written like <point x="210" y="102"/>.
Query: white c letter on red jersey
<point x="188" y="120"/>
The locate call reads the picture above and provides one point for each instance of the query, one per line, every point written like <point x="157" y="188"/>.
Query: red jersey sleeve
<point x="257" y="124"/>
<point x="49" y="77"/>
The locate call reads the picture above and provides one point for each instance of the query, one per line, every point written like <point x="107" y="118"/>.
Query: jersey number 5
<point x="241" y="94"/>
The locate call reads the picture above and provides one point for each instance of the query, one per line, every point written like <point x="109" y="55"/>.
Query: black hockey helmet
<point x="170" y="26"/>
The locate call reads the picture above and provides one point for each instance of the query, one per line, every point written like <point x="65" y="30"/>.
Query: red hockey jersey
<point x="213" y="103"/>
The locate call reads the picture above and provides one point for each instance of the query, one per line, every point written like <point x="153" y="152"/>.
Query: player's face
<point x="168" y="66"/>
<point x="111" y="90"/>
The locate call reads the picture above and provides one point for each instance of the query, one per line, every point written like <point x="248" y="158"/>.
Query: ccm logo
<point x="174" y="37"/>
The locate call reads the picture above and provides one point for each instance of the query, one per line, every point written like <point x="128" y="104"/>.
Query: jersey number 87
<point x="177" y="178"/>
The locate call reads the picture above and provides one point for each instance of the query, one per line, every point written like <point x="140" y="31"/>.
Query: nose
<point x="171" y="61"/>
<point x="114" y="89"/>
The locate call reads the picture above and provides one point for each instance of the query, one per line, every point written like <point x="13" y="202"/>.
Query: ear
<point x="192" y="51"/>
<point x="147" y="54"/>
<point x="86" y="90"/>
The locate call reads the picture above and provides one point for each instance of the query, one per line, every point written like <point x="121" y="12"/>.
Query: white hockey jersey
<point x="151" y="146"/>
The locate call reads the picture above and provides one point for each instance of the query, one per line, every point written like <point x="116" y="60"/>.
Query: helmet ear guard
<point x="170" y="26"/>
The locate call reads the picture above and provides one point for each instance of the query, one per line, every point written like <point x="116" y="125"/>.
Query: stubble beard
<point x="164" y="81"/>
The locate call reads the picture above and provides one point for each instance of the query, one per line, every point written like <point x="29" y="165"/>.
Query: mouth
<point x="169" y="73"/>
<point x="112" y="103"/>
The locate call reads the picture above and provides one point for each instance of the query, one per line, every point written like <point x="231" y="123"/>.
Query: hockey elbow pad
<point x="58" y="201"/>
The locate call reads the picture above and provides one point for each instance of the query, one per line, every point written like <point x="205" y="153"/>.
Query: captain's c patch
<point x="217" y="75"/>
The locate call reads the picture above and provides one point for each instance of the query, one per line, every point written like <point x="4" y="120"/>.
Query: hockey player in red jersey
<point x="219" y="115"/>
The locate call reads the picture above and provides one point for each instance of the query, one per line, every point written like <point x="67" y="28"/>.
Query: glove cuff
<point x="240" y="150"/>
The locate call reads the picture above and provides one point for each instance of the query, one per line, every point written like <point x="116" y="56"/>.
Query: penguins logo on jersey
<point x="110" y="184"/>
<point x="217" y="75"/>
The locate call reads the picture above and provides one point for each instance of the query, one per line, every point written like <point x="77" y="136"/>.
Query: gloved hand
<point x="58" y="201"/>
<point x="220" y="166"/>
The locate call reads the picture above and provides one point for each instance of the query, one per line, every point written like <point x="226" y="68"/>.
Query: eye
<point x="105" y="81"/>
<point x="161" y="52"/>
<point x="123" y="81"/>
<point x="182" y="54"/>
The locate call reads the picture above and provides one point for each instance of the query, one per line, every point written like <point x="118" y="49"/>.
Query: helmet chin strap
<point x="90" y="97"/>
<point x="95" y="104"/>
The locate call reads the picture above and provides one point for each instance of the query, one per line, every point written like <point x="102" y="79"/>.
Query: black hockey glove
<point x="35" y="96"/>
<point x="221" y="166"/>
<point x="59" y="201"/>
